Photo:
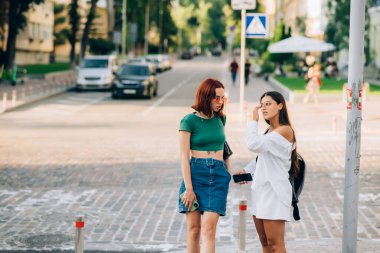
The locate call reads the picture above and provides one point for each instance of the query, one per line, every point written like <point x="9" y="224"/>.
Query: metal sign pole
<point x="353" y="128"/>
<point x="242" y="64"/>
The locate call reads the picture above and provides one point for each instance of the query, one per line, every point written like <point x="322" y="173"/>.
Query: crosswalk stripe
<point x="69" y="105"/>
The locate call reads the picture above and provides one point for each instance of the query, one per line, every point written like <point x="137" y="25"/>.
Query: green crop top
<point x="206" y="134"/>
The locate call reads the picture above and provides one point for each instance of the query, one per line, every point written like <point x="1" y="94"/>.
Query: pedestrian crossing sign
<point x="256" y="25"/>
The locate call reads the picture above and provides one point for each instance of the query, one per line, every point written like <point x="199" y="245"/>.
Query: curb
<point x="20" y="96"/>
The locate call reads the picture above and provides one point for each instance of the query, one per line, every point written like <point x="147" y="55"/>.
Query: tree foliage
<point x="17" y="10"/>
<point x="338" y="27"/>
<point x="281" y="32"/>
<point x="87" y="28"/>
<point x="60" y="35"/>
<point x="136" y="16"/>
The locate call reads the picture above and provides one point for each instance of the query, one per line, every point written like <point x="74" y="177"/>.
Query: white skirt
<point x="267" y="205"/>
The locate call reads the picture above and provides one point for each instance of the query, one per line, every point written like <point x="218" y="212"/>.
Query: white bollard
<point x="242" y="224"/>
<point x="14" y="97"/>
<point x="5" y="100"/>
<point x="334" y="125"/>
<point x="79" y="242"/>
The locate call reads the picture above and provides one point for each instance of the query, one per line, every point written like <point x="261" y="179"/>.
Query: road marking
<point x="162" y="99"/>
<point x="69" y="105"/>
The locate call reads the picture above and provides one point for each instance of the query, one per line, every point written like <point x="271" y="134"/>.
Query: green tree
<point x="87" y="28"/>
<point x="60" y="36"/>
<point x="281" y="33"/>
<point x="217" y="31"/>
<point x="3" y="18"/>
<point x="75" y="18"/>
<point x="16" y="22"/>
<point x="338" y="26"/>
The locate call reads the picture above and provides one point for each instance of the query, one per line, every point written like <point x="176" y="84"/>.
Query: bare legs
<point x="205" y="228"/>
<point x="271" y="234"/>
<point x="193" y="231"/>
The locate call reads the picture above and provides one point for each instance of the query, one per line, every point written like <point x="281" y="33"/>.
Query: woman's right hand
<point x="241" y="171"/>
<point x="188" y="198"/>
<point x="255" y="113"/>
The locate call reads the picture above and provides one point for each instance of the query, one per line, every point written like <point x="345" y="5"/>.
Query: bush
<point x="267" y="67"/>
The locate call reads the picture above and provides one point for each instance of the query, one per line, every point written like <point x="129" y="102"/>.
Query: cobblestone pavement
<point x="117" y="163"/>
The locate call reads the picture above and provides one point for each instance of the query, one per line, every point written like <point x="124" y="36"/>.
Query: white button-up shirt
<point x="273" y="163"/>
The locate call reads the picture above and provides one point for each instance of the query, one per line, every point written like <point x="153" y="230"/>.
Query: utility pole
<point x="242" y="63"/>
<point x="353" y="128"/>
<point x="146" y="27"/>
<point x="124" y="28"/>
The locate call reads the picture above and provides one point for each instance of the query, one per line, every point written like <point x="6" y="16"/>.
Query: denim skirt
<point x="210" y="179"/>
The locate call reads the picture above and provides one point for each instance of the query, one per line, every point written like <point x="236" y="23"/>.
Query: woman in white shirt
<point x="271" y="189"/>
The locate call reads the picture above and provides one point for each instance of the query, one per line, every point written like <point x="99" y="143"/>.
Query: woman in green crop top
<point x="206" y="176"/>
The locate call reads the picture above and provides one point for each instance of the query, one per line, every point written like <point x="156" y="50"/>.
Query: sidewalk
<point x="35" y="89"/>
<point x="129" y="197"/>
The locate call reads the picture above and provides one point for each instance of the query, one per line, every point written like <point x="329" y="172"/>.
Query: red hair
<point x="205" y="93"/>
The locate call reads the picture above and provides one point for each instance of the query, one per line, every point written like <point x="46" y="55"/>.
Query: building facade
<point x="35" y="42"/>
<point x="296" y="14"/>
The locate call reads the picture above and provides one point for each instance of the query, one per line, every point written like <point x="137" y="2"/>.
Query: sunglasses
<point x="266" y="104"/>
<point x="218" y="99"/>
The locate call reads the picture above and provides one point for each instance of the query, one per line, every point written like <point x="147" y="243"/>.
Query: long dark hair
<point x="205" y="93"/>
<point x="284" y="121"/>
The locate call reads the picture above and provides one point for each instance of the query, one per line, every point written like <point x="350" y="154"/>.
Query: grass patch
<point x="329" y="85"/>
<point x="46" y="68"/>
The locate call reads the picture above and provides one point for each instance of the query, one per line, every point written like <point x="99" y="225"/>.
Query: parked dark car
<point x="186" y="55"/>
<point x="135" y="79"/>
<point x="216" y="52"/>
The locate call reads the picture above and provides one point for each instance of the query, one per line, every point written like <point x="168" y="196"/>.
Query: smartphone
<point x="242" y="177"/>
<point x="194" y="206"/>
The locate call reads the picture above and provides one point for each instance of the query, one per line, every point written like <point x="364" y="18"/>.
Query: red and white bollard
<point x="79" y="242"/>
<point x="23" y="92"/>
<point x="14" y="97"/>
<point x="242" y="224"/>
<point x="5" y="100"/>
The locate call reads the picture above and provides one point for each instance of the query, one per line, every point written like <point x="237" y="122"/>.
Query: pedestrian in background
<point x="234" y="67"/>
<point x="271" y="189"/>
<point x="206" y="176"/>
<point x="247" y="71"/>
<point x="314" y="84"/>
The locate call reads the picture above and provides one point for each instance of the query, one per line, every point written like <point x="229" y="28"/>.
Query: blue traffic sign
<point x="257" y="25"/>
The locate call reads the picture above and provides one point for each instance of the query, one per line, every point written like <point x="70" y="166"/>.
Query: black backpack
<point x="297" y="182"/>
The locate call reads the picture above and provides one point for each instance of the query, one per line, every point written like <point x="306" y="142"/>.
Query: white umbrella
<point x="300" y="44"/>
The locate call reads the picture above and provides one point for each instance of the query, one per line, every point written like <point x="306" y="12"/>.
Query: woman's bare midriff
<point x="217" y="155"/>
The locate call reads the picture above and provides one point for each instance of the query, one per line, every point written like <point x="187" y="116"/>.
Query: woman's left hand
<point x="255" y="113"/>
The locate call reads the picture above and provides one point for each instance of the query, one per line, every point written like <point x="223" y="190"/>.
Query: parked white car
<point x="96" y="72"/>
